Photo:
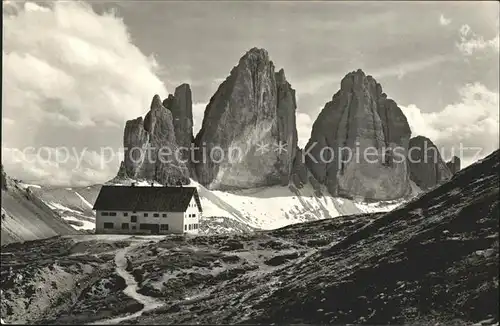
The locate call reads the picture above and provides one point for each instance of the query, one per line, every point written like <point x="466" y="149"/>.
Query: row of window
<point x="125" y="226"/>
<point x="191" y="227"/>
<point x="163" y="227"/>
<point x="133" y="218"/>
<point x="126" y="214"/>
<point x="156" y="215"/>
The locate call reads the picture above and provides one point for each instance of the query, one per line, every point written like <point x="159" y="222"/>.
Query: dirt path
<point x="131" y="289"/>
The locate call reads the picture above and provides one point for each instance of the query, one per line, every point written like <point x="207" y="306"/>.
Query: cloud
<point x="198" y="113"/>
<point x="65" y="67"/>
<point x="471" y="123"/>
<point x="318" y="82"/>
<point x="7" y="122"/>
<point x="61" y="166"/>
<point x="304" y="127"/>
<point x="471" y="43"/>
<point x="443" y="21"/>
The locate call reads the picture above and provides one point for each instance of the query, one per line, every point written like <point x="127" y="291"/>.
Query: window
<point x="194" y="215"/>
<point x="164" y="227"/>
<point x="156" y="215"/>
<point x="144" y="226"/>
<point x="145" y="214"/>
<point x="134" y="227"/>
<point x="125" y="214"/>
<point x="108" y="225"/>
<point x="190" y="226"/>
<point x="164" y="214"/>
<point x="124" y="226"/>
<point x="112" y="213"/>
<point x="185" y="227"/>
<point x="133" y="218"/>
<point x="104" y="214"/>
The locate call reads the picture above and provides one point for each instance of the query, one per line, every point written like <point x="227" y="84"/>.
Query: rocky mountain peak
<point x="180" y="104"/>
<point x="358" y="81"/>
<point x="427" y="168"/>
<point x="255" y="54"/>
<point x="254" y="105"/>
<point x="156" y="102"/>
<point x="360" y="118"/>
<point x="454" y="164"/>
<point x="150" y="147"/>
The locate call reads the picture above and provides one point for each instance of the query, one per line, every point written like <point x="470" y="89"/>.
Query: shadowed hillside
<point x="26" y="217"/>
<point x="433" y="260"/>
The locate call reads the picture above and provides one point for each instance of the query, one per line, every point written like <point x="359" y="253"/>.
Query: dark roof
<point x="157" y="199"/>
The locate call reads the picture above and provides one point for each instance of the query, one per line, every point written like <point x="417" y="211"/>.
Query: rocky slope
<point x="434" y="260"/>
<point x="25" y="217"/>
<point x="427" y="168"/>
<point x="253" y="110"/>
<point x="150" y="147"/>
<point x="3" y="179"/>
<point x="358" y="117"/>
<point x="73" y="204"/>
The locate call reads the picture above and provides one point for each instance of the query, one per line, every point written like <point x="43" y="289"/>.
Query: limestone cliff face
<point x="248" y="137"/>
<point x="361" y="119"/>
<point x="454" y="164"/>
<point x="181" y="106"/>
<point x="150" y="147"/>
<point x="427" y="168"/>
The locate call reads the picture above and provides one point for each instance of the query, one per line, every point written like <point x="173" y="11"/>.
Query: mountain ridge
<point x="253" y="110"/>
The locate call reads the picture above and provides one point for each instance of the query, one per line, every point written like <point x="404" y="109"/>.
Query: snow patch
<point x="58" y="206"/>
<point x="86" y="224"/>
<point x="85" y="201"/>
<point x="27" y="185"/>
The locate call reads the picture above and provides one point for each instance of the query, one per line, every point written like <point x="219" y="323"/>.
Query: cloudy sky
<point x="74" y="72"/>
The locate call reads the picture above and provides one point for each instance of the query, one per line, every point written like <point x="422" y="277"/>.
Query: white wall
<point x="192" y="209"/>
<point x="173" y="219"/>
<point x="178" y="222"/>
